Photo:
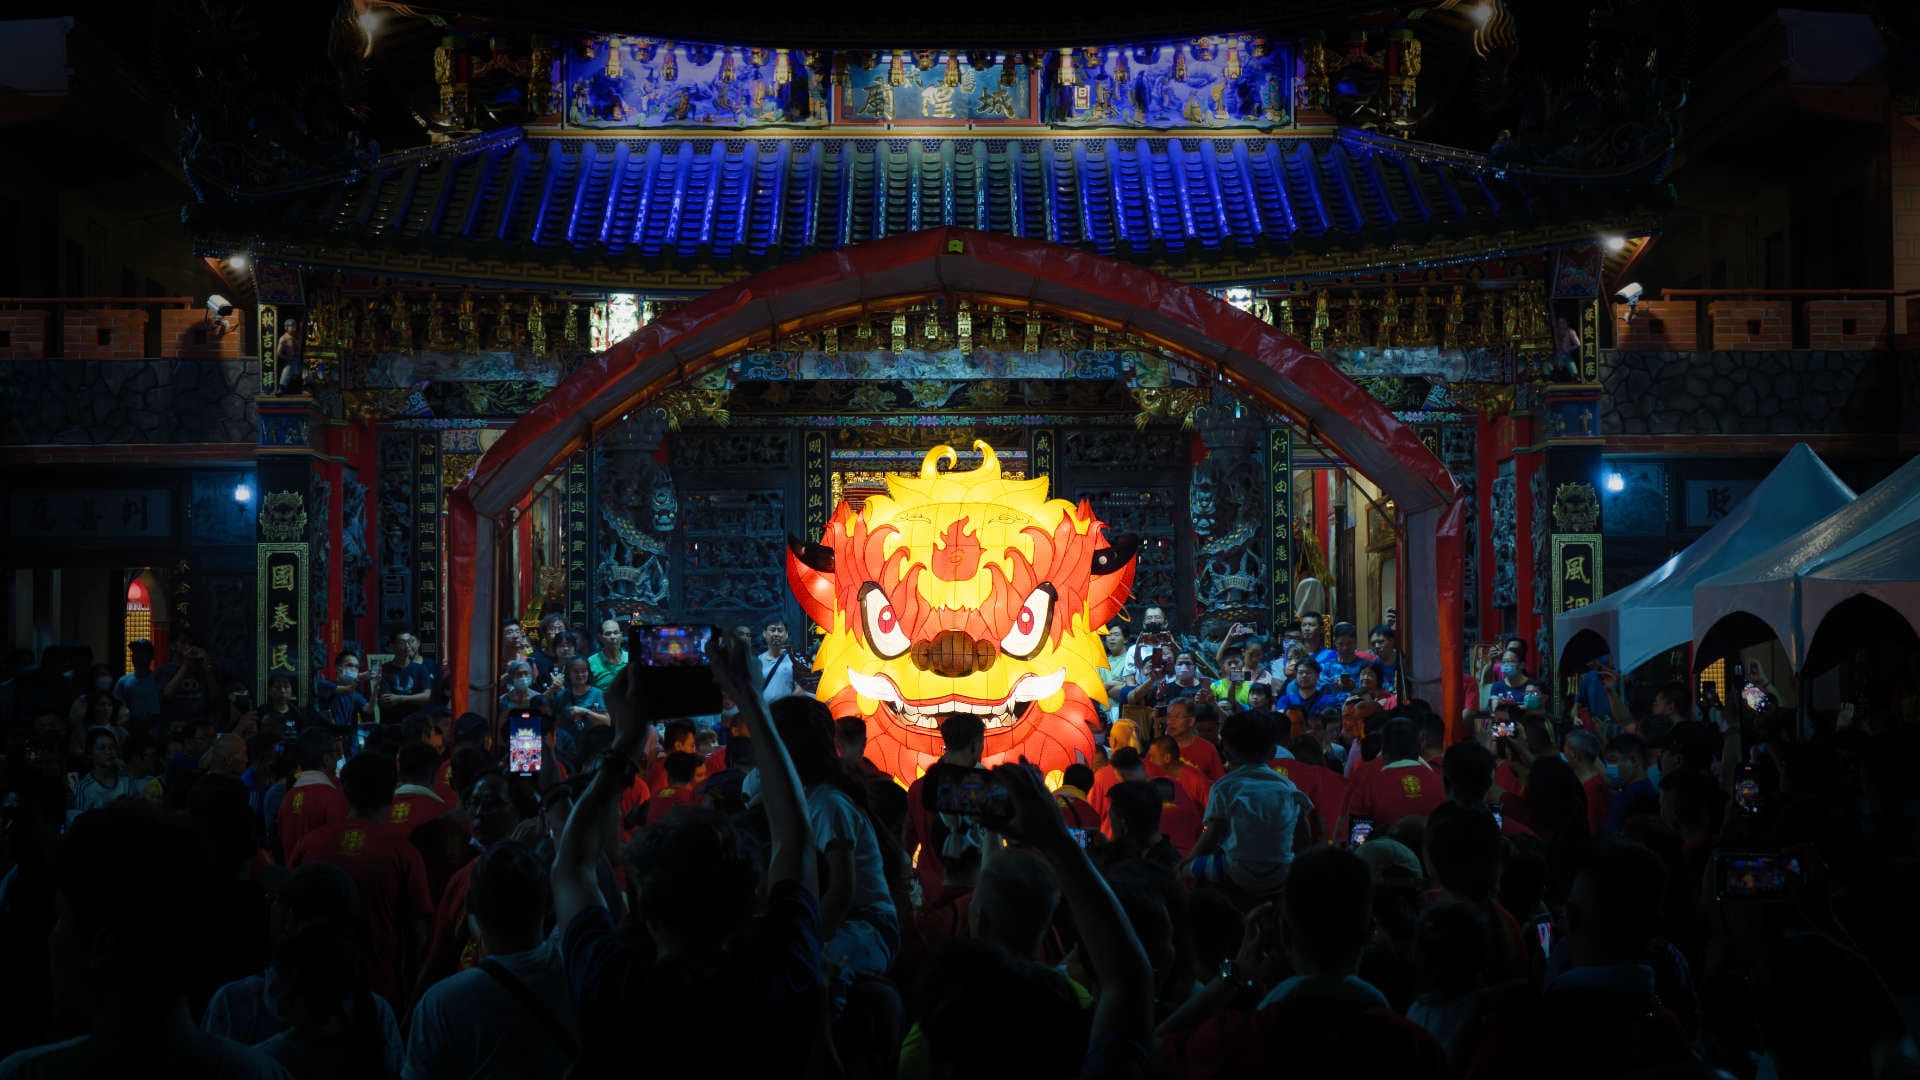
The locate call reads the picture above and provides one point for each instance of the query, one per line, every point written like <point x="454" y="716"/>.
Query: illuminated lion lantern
<point x="964" y="592"/>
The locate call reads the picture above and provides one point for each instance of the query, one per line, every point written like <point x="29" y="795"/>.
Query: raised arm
<point x="1125" y="1007"/>
<point x="594" y="824"/>
<point x="780" y="793"/>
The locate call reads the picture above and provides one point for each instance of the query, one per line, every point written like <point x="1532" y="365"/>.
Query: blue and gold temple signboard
<point x="1239" y="80"/>
<point x="933" y="90"/>
<point x="613" y="81"/>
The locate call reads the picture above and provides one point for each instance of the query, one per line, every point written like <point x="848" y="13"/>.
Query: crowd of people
<point x="1276" y="863"/>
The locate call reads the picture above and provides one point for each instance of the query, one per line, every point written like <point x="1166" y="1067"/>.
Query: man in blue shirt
<point x="341" y="702"/>
<point x="138" y="690"/>
<point x="1306" y="691"/>
<point x="406" y="681"/>
<point x="1341" y="664"/>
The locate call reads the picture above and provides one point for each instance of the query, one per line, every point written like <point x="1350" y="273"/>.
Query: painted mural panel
<point x="615" y="81"/>
<point x="928" y="88"/>
<point x="1215" y="82"/>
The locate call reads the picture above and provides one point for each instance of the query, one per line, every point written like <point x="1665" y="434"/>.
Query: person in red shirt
<point x="392" y="880"/>
<point x="1071" y="796"/>
<point x="496" y="817"/>
<point x="1403" y="786"/>
<point x="1194" y="750"/>
<point x="1181" y="818"/>
<point x="470" y="731"/>
<point x="850" y="742"/>
<point x="684" y="773"/>
<point x="315" y="799"/>
<point x="1466" y="772"/>
<point x="1306" y="765"/>
<point x="966" y="740"/>
<point x="415" y="802"/>
<point x="1165" y="753"/>
<point x="1123" y="733"/>
<point x="679" y="740"/>
<point x="1582" y="749"/>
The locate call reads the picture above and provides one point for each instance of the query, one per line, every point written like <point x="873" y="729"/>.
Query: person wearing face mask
<point x="341" y="702"/>
<point x="520" y="695"/>
<point x="1634" y="792"/>
<point x="1186" y="677"/>
<point x="1513" y="683"/>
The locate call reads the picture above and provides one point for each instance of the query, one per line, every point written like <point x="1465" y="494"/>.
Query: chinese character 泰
<point x="281" y="577"/>
<point x="282" y="618"/>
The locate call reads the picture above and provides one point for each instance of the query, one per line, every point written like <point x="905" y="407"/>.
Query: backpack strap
<point x="556" y="1031"/>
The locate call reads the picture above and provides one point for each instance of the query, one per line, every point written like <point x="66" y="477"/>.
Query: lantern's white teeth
<point x="927" y="715"/>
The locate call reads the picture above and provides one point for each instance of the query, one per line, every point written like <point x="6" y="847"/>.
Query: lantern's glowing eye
<point x="1030" y="626"/>
<point x="882" y="625"/>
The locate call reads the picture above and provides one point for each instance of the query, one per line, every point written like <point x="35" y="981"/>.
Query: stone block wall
<point x="1751" y="324"/>
<point x="99" y="402"/>
<point x="1757" y="392"/>
<point x="185" y="332"/>
<point x="1660" y="325"/>
<point x="1847" y="324"/>
<point x="104" y="334"/>
<point x="23" y="333"/>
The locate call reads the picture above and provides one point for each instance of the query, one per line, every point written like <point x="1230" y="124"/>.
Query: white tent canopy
<point x="1769" y="585"/>
<point x="1887" y="569"/>
<point x="1655" y="613"/>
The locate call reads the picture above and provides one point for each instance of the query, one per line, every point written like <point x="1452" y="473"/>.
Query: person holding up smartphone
<point x="693" y="879"/>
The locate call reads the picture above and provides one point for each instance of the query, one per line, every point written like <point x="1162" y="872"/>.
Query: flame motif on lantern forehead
<point x="1000" y="529"/>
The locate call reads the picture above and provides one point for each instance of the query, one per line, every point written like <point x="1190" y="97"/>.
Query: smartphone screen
<point x="972" y="793"/>
<point x="1758" y="877"/>
<point x="523" y="744"/>
<point x="1498" y="821"/>
<point x="671" y="670"/>
<point x="1746" y="791"/>
<point x="1505" y="729"/>
<point x="1543" y="931"/>
<point x="670" y="646"/>
<point x="1362" y="829"/>
<point x="1079" y="836"/>
<point x="360" y="737"/>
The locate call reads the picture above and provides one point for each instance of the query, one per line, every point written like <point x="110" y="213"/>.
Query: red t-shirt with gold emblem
<point x="670" y="799"/>
<point x="1395" y="791"/>
<point x="307" y="807"/>
<point x="392" y="882"/>
<point x="412" y="809"/>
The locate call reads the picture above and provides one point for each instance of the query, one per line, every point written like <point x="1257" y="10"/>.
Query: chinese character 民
<point x="280" y="662"/>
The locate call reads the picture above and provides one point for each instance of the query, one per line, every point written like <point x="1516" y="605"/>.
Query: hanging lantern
<point x="1068" y="76"/>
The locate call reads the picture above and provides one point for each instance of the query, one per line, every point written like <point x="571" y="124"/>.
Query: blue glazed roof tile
<point x="762" y="200"/>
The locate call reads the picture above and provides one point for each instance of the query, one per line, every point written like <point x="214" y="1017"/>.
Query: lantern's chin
<point x="1048" y="740"/>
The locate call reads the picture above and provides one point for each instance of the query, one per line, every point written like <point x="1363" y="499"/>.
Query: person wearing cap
<point x="1391" y="862"/>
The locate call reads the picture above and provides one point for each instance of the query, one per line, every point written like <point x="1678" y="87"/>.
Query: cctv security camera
<point x="1629" y="293"/>
<point x="218" y="307"/>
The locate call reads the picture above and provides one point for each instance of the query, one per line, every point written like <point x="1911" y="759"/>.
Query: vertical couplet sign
<point x="1590" y="342"/>
<point x="1576" y="570"/>
<point x="426" y="535"/>
<point x="282" y="614"/>
<point x="1280" y="526"/>
<point x="577" y="526"/>
<point x="817" y="478"/>
<point x="1041" y="455"/>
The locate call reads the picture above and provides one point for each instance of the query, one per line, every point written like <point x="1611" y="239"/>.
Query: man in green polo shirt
<point x="610" y="659"/>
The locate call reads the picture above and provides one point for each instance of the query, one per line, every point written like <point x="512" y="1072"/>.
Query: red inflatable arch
<point x="1258" y="360"/>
